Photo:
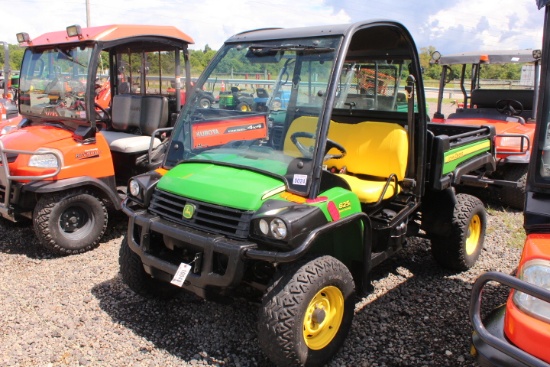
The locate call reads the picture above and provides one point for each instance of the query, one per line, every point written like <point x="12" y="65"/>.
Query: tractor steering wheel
<point x="306" y="151"/>
<point x="106" y="115"/>
<point x="332" y="144"/>
<point x="510" y="107"/>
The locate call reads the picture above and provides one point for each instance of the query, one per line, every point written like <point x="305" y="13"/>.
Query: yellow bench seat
<point x="377" y="154"/>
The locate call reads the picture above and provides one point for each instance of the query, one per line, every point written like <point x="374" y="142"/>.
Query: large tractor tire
<point x="514" y="197"/>
<point x="70" y="222"/>
<point x="460" y="249"/>
<point x="135" y="277"/>
<point x="307" y="312"/>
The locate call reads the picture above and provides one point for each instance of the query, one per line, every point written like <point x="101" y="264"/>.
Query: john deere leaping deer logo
<point x="188" y="211"/>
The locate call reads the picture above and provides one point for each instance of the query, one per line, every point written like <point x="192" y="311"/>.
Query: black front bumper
<point x="220" y="262"/>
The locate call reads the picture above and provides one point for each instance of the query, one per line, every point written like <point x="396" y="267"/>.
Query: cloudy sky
<point x="449" y="26"/>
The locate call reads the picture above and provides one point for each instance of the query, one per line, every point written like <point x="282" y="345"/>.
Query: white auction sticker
<point x="299" y="179"/>
<point x="181" y="274"/>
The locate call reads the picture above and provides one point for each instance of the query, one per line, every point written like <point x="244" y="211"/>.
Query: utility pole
<point x="88" y="13"/>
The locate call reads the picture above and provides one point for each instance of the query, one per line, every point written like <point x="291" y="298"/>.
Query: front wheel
<point x="460" y="249"/>
<point x="307" y="312"/>
<point x="514" y="197"/>
<point x="70" y="222"/>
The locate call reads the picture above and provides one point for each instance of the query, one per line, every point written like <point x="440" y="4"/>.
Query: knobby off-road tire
<point x="306" y="312"/>
<point x="135" y="277"/>
<point x="514" y="197"/>
<point x="461" y="248"/>
<point x="70" y="222"/>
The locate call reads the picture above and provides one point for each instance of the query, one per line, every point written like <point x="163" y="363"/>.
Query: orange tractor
<point x="96" y="110"/>
<point x="507" y="105"/>
<point x="517" y="333"/>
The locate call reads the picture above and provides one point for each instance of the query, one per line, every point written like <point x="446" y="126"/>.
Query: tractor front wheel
<point x="460" y="249"/>
<point x="307" y="312"/>
<point x="70" y="222"/>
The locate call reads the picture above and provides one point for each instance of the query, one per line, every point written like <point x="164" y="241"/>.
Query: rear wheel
<point x="135" y="277"/>
<point x="306" y="312"/>
<point x="70" y="222"/>
<point x="205" y="103"/>
<point x="514" y="197"/>
<point x="243" y="106"/>
<point x="460" y="249"/>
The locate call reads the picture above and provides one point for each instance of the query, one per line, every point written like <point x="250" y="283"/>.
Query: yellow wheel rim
<point x="473" y="235"/>
<point x="245" y="108"/>
<point x="323" y="317"/>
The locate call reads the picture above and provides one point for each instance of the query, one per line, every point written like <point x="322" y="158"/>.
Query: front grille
<point x="212" y="218"/>
<point x="2" y="193"/>
<point x="10" y="156"/>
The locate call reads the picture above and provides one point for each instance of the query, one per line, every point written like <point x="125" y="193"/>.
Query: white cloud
<point x="469" y="26"/>
<point x="207" y="21"/>
<point x="449" y="26"/>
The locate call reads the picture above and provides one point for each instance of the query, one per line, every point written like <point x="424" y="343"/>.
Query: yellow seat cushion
<point x="369" y="191"/>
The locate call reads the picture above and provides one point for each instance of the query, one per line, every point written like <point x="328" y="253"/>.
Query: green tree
<point x="15" y="56"/>
<point x="431" y="69"/>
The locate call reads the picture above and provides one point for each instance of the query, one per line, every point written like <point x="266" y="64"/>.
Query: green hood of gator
<point x="221" y="185"/>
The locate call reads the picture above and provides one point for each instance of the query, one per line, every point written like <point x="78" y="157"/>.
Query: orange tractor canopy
<point x="97" y="104"/>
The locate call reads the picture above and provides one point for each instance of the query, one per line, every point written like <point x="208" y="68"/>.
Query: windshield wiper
<point x="69" y="56"/>
<point x="260" y="49"/>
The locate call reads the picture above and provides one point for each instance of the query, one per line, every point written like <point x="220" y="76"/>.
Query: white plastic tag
<point x="181" y="274"/>
<point x="299" y="180"/>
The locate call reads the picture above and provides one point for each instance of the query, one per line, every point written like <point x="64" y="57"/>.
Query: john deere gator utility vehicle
<point x="299" y="203"/>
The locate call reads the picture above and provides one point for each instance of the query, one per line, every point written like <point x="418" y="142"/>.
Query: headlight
<point x="536" y="272"/>
<point x="133" y="188"/>
<point x="273" y="227"/>
<point x="278" y="228"/>
<point x="515" y="141"/>
<point x="6" y="129"/>
<point x="47" y="160"/>
<point x="264" y="226"/>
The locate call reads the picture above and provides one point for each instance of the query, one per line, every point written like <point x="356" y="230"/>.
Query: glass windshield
<point x="53" y="82"/>
<point x="258" y="90"/>
<point x="372" y="85"/>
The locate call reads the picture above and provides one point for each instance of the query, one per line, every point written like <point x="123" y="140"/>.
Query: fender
<point x="107" y="185"/>
<point x="519" y="159"/>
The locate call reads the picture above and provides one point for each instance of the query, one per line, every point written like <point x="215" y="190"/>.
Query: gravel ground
<point x="75" y="310"/>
